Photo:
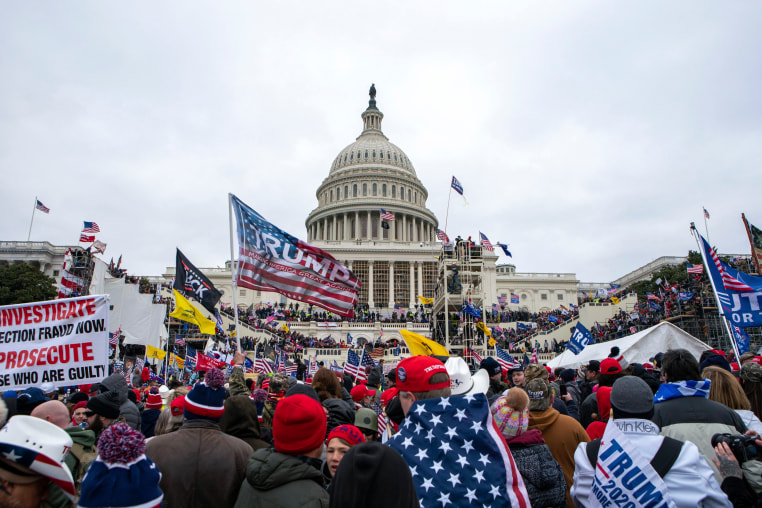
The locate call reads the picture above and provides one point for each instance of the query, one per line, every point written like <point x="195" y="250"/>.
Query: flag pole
<point x="29" y="236"/>
<point x="447" y="213"/>
<point x="706" y="228"/>
<point x="232" y="272"/>
<point x="704" y="256"/>
<point x="754" y="258"/>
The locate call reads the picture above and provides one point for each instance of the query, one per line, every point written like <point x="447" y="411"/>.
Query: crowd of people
<point x="675" y="431"/>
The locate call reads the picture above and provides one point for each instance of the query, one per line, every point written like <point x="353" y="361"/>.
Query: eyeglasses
<point x="89" y="413"/>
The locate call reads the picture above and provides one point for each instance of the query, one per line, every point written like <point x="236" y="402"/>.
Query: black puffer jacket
<point x="340" y="412"/>
<point x="274" y="479"/>
<point x="543" y="476"/>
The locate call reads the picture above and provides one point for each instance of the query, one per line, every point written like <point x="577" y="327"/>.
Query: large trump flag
<point x="269" y="259"/>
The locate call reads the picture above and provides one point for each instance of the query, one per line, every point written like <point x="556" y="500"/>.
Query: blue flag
<point x="505" y="249"/>
<point x="742" y="340"/>
<point x="654" y="306"/>
<point x="471" y="310"/>
<point x="579" y="339"/>
<point x="553" y="319"/>
<point x="740" y="294"/>
<point x="684" y="296"/>
<point x="457" y="186"/>
<point x="521" y="326"/>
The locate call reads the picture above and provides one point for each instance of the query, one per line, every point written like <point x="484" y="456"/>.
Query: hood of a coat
<point x="542" y="420"/>
<point x="268" y="469"/>
<point x="116" y="383"/>
<point x="240" y="417"/>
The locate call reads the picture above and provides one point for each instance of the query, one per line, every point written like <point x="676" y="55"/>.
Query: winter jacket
<point x="237" y="383"/>
<point x="78" y="460"/>
<point x="543" y="476"/>
<point x="588" y="411"/>
<point x="127" y="409"/>
<point x="200" y="465"/>
<point x="562" y="434"/>
<point x="240" y="420"/>
<point x="340" y="412"/>
<point x="274" y="479"/>
<point x="573" y="389"/>
<point x="697" y="419"/>
<point x="689" y="482"/>
<point x="148" y="421"/>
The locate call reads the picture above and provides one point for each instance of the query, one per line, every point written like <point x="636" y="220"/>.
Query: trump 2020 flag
<point x="579" y="339"/>
<point x="270" y="259"/>
<point x="457" y="456"/>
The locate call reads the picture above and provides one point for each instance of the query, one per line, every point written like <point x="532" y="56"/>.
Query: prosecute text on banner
<point x="64" y="342"/>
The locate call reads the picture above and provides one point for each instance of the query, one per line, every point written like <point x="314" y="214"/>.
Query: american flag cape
<point x="272" y="260"/>
<point x="457" y="456"/>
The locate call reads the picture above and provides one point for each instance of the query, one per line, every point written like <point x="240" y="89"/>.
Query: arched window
<point x="394" y="191"/>
<point x="346" y="191"/>
<point x="354" y="191"/>
<point x="365" y="189"/>
<point x="402" y="192"/>
<point x="331" y="194"/>
<point x="375" y="189"/>
<point x="383" y="189"/>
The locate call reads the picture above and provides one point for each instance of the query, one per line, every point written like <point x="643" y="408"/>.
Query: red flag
<point x="86" y="238"/>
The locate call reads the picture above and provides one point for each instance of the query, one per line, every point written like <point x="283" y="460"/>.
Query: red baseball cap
<point x="361" y="391"/>
<point x="610" y="366"/>
<point x="415" y="372"/>
<point x="388" y="395"/>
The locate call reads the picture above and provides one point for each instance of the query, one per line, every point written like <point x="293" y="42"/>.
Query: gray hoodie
<point x="117" y="383"/>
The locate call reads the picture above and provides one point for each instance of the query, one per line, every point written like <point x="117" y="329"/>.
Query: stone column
<point x="346" y="227"/>
<point x="420" y="278"/>
<point x="391" y="285"/>
<point x="404" y="228"/>
<point x="357" y="225"/>
<point x="370" y="285"/>
<point x="413" y="299"/>
<point x="370" y="227"/>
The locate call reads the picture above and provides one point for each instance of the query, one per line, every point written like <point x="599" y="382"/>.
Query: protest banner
<point x="64" y="342"/>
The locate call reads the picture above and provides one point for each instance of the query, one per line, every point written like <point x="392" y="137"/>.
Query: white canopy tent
<point x="636" y="348"/>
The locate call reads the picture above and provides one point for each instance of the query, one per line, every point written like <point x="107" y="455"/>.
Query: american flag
<point x="455" y="184"/>
<point x="286" y="265"/>
<point x="83" y="238"/>
<point x="263" y="366"/>
<point x="514" y="298"/>
<point x="473" y="463"/>
<point x="386" y="215"/>
<point x="398" y="309"/>
<point x="248" y="366"/>
<point x="352" y="365"/>
<point x="313" y="365"/>
<point x="728" y="280"/>
<point x="113" y="338"/>
<point x="91" y="227"/>
<point x="535" y="358"/>
<point x="71" y="285"/>
<point x="485" y="242"/>
<point x="291" y="369"/>
<point x="502" y="300"/>
<point x="377" y="353"/>
<point x="41" y="207"/>
<point x="695" y="268"/>
<point x="506" y="361"/>
<point x="652" y="296"/>
<point x="475" y="355"/>
<point x="706" y="214"/>
<point x="179" y="341"/>
<point x="367" y="360"/>
<point x="441" y="235"/>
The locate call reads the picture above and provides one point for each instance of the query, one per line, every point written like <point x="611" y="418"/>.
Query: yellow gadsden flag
<point x="154" y="352"/>
<point x="185" y="311"/>
<point x="486" y="331"/>
<point x="180" y="362"/>
<point x="615" y="300"/>
<point x="421" y="346"/>
<point x="425" y="301"/>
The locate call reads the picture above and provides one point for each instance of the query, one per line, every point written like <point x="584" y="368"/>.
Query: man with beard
<point x="102" y="411"/>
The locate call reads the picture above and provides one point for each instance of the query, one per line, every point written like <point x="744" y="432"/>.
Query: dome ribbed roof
<point x="372" y="147"/>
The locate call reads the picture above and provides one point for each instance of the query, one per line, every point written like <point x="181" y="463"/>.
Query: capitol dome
<point x="367" y="176"/>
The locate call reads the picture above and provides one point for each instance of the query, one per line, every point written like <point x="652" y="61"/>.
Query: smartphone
<point x="563" y="390"/>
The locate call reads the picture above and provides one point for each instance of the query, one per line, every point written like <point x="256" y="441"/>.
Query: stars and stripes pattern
<point x="271" y="259"/>
<point x="367" y="360"/>
<point x="91" y="227"/>
<point x="41" y="464"/>
<point x="535" y="357"/>
<point x="652" y="296"/>
<point x="179" y="341"/>
<point x="385" y="215"/>
<point x="262" y="366"/>
<point x="83" y="238"/>
<point x="728" y="280"/>
<point x="113" y="338"/>
<point x="441" y="235"/>
<point x="697" y="269"/>
<point x="485" y="242"/>
<point x="39" y="206"/>
<point x="471" y="465"/>
<point x="190" y="357"/>
<point x="455" y="184"/>
<point x="313" y="367"/>
<point x="352" y="365"/>
<point x="477" y="358"/>
<point x="377" y="353"/>
<point x="506" y="361"/>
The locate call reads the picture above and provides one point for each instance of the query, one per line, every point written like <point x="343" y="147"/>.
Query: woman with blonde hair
<point x="726" y="390"/>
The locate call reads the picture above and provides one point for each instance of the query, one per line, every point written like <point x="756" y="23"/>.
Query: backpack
<point x="85" y="457"/>
<point x="662" y="462"/>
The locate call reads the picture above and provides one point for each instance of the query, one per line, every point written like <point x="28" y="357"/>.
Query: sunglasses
<point x="89" y="413"/>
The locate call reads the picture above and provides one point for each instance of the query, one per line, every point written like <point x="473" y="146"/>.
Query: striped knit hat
<point x="207" y="398"/>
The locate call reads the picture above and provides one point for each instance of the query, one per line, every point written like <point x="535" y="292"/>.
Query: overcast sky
<point x="587" y="134"/>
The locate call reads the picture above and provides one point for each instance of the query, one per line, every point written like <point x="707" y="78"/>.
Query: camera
<point x="743" y="447"/>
